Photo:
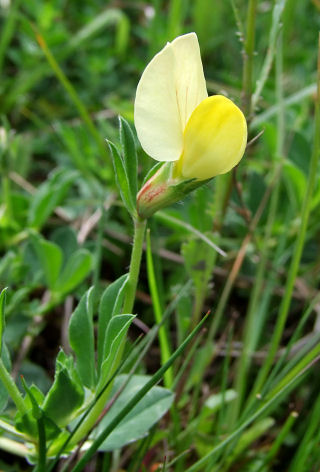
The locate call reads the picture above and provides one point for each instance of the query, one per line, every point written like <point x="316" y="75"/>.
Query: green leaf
<point x="110" y="305"/>
<point x="141" y="418"/>
<point x="76" y="270"/>
<point x="27" y="423"/>
<point x="50" y="258"/>
<point x="82" y="339"/>
<point x="115" y="336"/>
<point x="2" y="316"/>
<point x="122" y="179"/>
<point x="66" y="394"/>
<point x="66" y="238"/>
<point x="36" y="410"/>
<point x="130" y="156"/>
<point x="39" y="415"/>
<point x="49" y="195"/>
<point x="134" y="399"/>
<point x="4" y="396"/>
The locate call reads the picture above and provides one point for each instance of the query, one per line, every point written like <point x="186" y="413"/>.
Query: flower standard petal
<point x="214" y="139"/>
<point x="190" y="83"/>
<point x="170" y="88"/>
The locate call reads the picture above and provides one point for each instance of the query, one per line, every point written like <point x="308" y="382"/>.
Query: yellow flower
<point x="177" y="122"/>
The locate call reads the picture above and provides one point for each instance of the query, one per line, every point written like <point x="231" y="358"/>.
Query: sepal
<point x="164" y="188"/>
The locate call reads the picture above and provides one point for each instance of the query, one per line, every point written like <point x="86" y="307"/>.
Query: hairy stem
<point x="139" y="232"/>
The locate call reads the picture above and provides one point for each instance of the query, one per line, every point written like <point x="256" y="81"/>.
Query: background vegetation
<point x="247" y="393"/>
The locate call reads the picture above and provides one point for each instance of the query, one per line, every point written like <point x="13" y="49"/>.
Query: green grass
<point x="244" y="247"/>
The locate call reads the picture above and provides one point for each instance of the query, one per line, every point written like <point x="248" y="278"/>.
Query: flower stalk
<point x="135" y="262"/>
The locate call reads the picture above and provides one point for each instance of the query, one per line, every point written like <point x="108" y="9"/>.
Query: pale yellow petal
<point x="214" y="139"/>
<point x="171" y="87"/>
<point x="190" y="86"/>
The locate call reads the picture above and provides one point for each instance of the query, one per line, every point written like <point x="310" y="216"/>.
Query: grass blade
<point x="153" y="381"/>
<point x="163" y="335"/>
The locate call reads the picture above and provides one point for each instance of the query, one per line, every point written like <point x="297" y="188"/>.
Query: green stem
<point x="12" y="389"/>
<point x="247" y="97"/>
<point x="241" y="376"/>
<point x="283" y="433"/>
<point x="235" y="269"/>
<point x="248" y="58"/>
<point x="163" y="335"/>
<point x="276" y="26"/>
<point x="302" y="454"/>
<point x="91" y="419"/>
<point x="139" y="231"/>
<point x="294" y="267"/>
<point x="272" y="399"/>
<point x="249" y="344"/>
<point x="41" y="466"/>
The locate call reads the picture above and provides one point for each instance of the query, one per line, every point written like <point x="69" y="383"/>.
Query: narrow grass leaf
<point x="141" y="418"/>
<point x="253" y="434"/>
<point x="274" y="31"/>
<point x="300" y="461"/>
<point x="272" y="401"/>
<point x="134" y="400"/>
<point x="280" y="438"/>
<point x="176" y="223"/>
<point x="163" y="335"/>
<point x="289" y="101"/>
<point x="299" y="245"/>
